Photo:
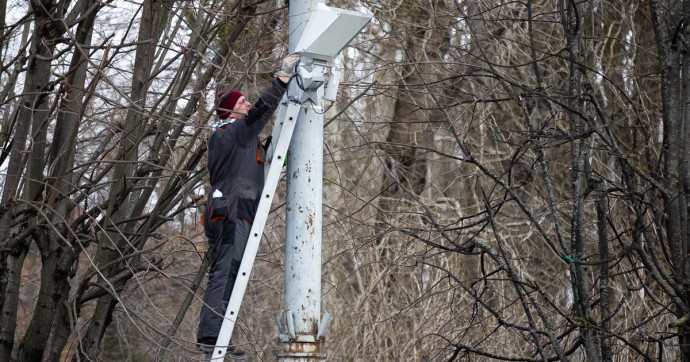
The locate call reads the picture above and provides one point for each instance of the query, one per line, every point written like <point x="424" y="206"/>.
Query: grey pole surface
<point x="318" y="33"/>
<point x="304" y="221"/>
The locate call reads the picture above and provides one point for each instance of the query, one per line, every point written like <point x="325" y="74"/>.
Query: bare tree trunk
<point x="581" y="283"/>
<point x="671" y="102"/>
<point x="679" y="198"/>
<point x="604" y="273"/>
<point x="62" y="327"/>
<point x="57" y="256"/>
<point x="56" y="259"/>
<point x="113" y="244"/>
<point x="32" y="110"/>
<point x="675" y="90"/>
<point x="10" y="283"/>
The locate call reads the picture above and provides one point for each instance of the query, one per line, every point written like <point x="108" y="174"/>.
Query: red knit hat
<point x="227" y="103"/>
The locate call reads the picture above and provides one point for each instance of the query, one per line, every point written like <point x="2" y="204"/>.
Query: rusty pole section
<point x="303" y="234"/>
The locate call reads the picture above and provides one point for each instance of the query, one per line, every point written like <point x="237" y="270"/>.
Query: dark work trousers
<point x="227" y="239"/>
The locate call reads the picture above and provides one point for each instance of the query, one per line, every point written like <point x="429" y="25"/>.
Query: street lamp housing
<point x="328" y="31"/>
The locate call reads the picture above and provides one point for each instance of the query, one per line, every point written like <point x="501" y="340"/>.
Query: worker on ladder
<point x="236" y="172"/>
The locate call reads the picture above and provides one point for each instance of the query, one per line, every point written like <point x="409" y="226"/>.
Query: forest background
<point x="505" y="180"/>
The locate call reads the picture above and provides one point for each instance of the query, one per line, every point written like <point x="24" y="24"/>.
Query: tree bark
<point x="32" y="110"/>
<point x="674" y="64"/>
<point x="579" y="154"/>
<point x="57" y="260"/>
<point x="10" y="283"/>
<point x="604" y="273"/>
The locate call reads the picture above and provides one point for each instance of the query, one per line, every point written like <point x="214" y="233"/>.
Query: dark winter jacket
<point x="236" y="157"/>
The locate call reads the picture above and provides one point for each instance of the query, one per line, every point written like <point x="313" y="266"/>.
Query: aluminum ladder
<point x="275" y="159"/>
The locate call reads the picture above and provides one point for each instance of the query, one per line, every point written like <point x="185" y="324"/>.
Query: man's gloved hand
<point x="289" y="65"/>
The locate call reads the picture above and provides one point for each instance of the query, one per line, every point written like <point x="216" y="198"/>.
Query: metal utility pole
<point x="304" y="222"/>
<point x="318" y="33"/>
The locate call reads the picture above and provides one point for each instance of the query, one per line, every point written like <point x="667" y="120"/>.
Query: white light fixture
<point x="329" y="30"/>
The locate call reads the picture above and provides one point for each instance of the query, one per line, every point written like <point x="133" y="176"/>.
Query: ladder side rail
<point x="256" y="232"/>
<point x="275" y="135"/>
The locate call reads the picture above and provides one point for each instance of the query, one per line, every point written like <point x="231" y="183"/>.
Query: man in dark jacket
<point x="236" y="171"/>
